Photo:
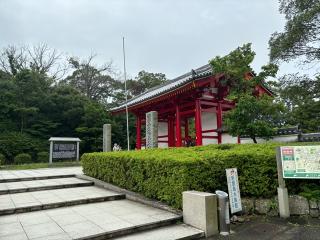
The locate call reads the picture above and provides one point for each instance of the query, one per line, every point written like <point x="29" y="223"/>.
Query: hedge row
<point x="163" y="174"/>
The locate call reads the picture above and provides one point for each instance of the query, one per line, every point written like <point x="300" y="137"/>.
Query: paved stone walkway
<point x="269" y="228"/>
<point x="20" y="175"/>
<point x="61" y="206"/>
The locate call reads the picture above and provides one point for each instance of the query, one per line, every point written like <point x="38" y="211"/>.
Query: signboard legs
<point x="51" y="150"/>
<point x="283" y="198"/>
<point x="78" y="151"/>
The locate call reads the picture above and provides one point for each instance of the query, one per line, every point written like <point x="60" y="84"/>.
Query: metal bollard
<point x="223" y="211"/>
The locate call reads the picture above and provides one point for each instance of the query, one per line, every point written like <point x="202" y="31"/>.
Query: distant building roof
<point x="64" y="139"/>
<point x="170" y="86"/>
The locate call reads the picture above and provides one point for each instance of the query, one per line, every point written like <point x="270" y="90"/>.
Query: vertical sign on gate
<point x="234" y="190"/>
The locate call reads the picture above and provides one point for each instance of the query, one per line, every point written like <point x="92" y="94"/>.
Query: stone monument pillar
<point x="107" y="137"/>
<point x="152" y="129"/>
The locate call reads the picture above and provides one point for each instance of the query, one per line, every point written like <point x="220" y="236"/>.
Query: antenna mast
<point x="126" y="92"/>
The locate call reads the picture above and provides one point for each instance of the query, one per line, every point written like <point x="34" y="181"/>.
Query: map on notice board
<point x="301" y="162"/>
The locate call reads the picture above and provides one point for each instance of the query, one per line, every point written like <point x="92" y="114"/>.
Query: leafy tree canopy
<point x="235" y="68"/>
<point x="301" y="95"/>
<point x="301" y="34"/>
<point x="254" y="116"/>
<point x="144" y="81"/>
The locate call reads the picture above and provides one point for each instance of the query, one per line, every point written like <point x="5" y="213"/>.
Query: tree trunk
<point x="254" y="139"/>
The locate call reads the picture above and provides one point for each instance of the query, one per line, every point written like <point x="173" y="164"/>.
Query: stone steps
<point x="40" y="185"/>
<point x="38" y="174"/>
<point x="176" y="232"/>
<point x="104" y="220"/>
<point x="40" y="200"/>
<point x="53" y="204"/>
<point x="17" y="179"/>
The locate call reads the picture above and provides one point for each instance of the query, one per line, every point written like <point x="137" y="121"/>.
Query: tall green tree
<point x="93" y="81"/>
<point x="254" y="116"/>
<point x="301" y="35"/>
<point x="301" y="95"/>
<point x="235" y="68"/>
<point x="144" y="81"/>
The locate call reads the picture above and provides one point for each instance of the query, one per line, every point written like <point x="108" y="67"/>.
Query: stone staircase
<point x="55" y="204"/>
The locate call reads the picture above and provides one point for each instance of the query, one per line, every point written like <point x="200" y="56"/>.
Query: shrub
<point x="43" y="157"/>
<point x="163" y="174"/>
<point x="13" y="143"/>
<point x="2" y="159"/>
<point x="22" y="158"/>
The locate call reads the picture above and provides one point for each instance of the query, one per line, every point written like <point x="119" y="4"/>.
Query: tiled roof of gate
<point x="205" y="70"/>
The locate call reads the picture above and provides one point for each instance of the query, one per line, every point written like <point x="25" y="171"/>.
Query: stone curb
<point x="136" y="197"/>
<point x="60" y="204"/>
<point x="34" y="189"/>
<point x="36" y="178"/>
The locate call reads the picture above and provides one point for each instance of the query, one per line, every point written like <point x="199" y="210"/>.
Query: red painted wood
<point x="162" y="136"/>
<point x="186" y="128"/>
<point x="138" y="134"/>
<point x="187" y="112"/>
<point x="171" y="136"/>
<point x="209" y="131"/>
<point x="198" y="123"/>
<point x="213" y="137"/>
<point x="178" y="127"/>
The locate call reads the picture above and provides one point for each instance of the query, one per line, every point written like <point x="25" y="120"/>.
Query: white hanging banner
<point x="234" y="190"/>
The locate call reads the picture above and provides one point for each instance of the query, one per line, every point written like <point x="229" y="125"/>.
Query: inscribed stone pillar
<point x="107" y="137"/>
<point x="152" y="129"/>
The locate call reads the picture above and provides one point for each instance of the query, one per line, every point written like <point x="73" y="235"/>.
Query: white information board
<point x="234" y="190"/>
<point x="300" y="161"/>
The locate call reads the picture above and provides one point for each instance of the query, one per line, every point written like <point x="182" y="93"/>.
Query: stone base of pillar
<point x="283" y="200"/>
<point x="200" y="211"/>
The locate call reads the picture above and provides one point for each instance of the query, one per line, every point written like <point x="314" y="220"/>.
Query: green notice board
<point x="301" y="162"/>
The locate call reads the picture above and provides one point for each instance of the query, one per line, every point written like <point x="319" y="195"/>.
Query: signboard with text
<point x="234" y="190"/>
<point x="64" y="150"/>
<point x="300" y="161"/>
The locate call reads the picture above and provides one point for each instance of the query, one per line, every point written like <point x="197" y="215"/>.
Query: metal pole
<point x="126" y="93"/>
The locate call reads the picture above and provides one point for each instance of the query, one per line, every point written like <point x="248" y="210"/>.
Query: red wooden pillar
<point x="178" y="128"/>
<point x="219" y="122"/>
<point x="198" y="123"/>
<point x="138" y="129"/>
<point x="170" y="132"/>
<point x="186" y="128"/>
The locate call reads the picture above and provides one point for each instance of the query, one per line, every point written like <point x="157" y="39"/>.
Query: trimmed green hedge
<point x="163" y="174"/>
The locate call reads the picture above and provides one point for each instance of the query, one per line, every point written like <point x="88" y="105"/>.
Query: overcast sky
<point x="167" y="36"/>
